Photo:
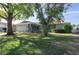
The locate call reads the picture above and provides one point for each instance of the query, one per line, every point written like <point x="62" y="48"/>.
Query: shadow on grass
<point x="36" y="45"/>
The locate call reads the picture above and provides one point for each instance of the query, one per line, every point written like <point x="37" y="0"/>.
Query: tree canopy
<point x="18" y="10"/>
<point x="10" y="11"/>
<point x="47" y="12"/>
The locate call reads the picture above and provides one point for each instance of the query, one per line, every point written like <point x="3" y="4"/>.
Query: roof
<point x="19" y="22"/>
<point x="25" y="22"/>
<point x="15" y="22"/>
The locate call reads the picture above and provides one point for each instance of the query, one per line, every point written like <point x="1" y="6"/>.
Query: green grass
<point x="34" y="44"/>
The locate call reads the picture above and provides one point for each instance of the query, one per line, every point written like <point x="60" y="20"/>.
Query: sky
<point x="71" y="15"/>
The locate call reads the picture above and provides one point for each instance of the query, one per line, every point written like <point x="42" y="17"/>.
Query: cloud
<point x="71" y="12"/>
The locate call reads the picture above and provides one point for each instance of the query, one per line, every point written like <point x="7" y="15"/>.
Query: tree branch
<point x="15" y="14"/>
<point x="4" y="5"/>
<point x="3" y="17"/>
<point x="4" y="8"/>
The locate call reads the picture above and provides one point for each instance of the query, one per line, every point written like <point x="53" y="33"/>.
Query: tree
<point x="10" y="11"/>
<point x="46" y="13"/>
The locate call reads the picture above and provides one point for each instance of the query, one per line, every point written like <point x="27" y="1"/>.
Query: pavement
<point x="2" y="34"/>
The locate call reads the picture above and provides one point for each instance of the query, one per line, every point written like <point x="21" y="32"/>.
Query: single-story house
<point x="57" y="25"/>
<point x="27" y="26"/>
<point x="23" y="26"/>
<point x="75" y="30"/>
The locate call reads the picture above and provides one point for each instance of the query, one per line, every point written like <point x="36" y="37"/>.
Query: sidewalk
<point x="2" y="34"/>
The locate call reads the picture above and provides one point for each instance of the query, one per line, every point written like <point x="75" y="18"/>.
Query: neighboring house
<point x="75" y="30"/>
<point x="60" y="26"/>
<point x="57" y="25"/>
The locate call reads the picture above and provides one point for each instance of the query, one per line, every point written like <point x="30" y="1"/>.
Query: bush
<point x="60" y="31"/>
<point x="67" y="27"/>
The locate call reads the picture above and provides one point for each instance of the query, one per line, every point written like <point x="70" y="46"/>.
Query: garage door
<point x="22" y="28"/>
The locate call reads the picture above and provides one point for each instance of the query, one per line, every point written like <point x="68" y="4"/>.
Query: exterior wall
<point x="14" y="28"/>
<point x="22" y="28"/>
<point x="2" y="26"/>
<point x="59" y="26"/>
<point x="1" y="30"/>
<point x="75" y="30"/>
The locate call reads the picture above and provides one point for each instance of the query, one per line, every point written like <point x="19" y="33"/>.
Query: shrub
<point x="60" y="31"/>
<point x="67" y="27"/>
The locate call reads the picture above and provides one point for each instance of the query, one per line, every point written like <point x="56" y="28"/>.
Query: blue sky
<point x="72" y="14"/>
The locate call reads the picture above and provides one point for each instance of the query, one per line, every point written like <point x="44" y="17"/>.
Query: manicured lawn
<point x="34" y="44"/>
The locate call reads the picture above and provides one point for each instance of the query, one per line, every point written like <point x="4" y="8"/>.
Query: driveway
<point x="1" y="34"/>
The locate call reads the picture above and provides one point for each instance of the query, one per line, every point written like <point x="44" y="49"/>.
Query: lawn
<point x="34" y="44"/>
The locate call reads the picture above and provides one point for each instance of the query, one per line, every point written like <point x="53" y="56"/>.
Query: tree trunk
<point x="9" y="24"/>
<point x="44" y="30"/>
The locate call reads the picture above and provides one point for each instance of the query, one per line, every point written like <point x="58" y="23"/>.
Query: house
<point x="2" y="26"/>
<point x="27" y="26"/>
<point x="23" y="26"/>
<point x="75" y="29"/>
<point x="57" y="24"/>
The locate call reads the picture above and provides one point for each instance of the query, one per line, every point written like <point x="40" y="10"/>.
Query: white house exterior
<point x="60" y="26"/>
<point x="75" y="30"/>
<point x="24" y="26"/>
<point x="2" y="26"/>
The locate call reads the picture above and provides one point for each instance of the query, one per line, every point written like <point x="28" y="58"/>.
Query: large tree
<point x="10" y="11"/>
<point x="46" y="13"/>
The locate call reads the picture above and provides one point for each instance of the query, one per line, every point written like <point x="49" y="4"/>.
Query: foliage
<point x="10" y="11"/>
<point x="46" y="13"/>
<point x="35" y="28"/>
<point x="67" y="27"/>
<point x="59" y="31"/>
<point x="18" y="10"/>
